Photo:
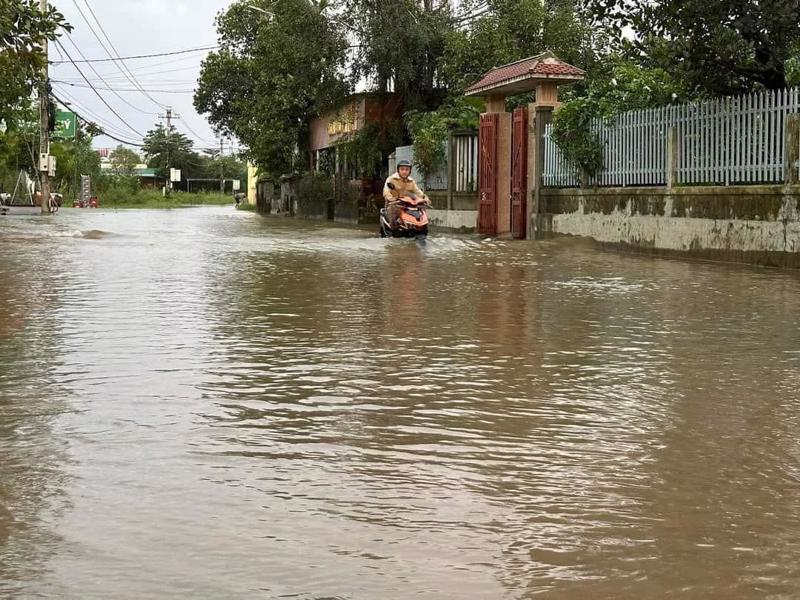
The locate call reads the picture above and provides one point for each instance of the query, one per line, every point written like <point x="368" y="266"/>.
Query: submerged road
<point x="204" y="403"/>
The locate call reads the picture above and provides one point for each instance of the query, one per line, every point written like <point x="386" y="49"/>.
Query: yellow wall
<point x="252" y="178"/>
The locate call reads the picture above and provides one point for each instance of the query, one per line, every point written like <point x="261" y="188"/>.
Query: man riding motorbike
<point x="402" y="185"/>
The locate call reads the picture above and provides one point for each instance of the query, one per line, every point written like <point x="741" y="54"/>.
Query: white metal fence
<point x="463" y="150"/>
<point x="727" y="141"/>
<point x="434" y="181"/>
<point x="465" y="154"/>
<point x="557" y="171"/>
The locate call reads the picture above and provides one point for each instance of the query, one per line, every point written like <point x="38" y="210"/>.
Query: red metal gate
<point x="487" y="175"/>
<point x="519" y="172"/>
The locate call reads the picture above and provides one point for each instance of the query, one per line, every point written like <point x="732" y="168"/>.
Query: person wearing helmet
<point x="403" y="185"/>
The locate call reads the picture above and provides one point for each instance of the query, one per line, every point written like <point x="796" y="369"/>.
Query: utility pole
<point x="44" y="125"/>
<point x="221" y="167"/>
<point x="169" y="116"/>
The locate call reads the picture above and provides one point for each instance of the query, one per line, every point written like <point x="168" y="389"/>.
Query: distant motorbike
<point x="412" y="221"/>
<point x="90" y="203"/>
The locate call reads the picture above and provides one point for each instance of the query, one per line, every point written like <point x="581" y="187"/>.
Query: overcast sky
<point x="137" y="27"/>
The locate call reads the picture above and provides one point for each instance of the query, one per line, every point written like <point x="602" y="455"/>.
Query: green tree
<point x="124" y="160"/>
<point x="24" y="29"/>
<point x="280" y="64"/>
<point x="400" y="45"/>
<point x="73" y="159"/>
<point x="168" y="148"/>
<point x="18" y="147"/>
<point x="510" y="30"/>
<point x="623" y="86"/>
<point x="497" y="33"/>
<point x="430" y="129"/>
<point x="719" y="48"/>
<point x="216" y="166"/>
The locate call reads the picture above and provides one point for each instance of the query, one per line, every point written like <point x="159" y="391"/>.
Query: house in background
<point x="329" y="132"/>
<point x="356" y="188"/>
<point x="148" y="178"/>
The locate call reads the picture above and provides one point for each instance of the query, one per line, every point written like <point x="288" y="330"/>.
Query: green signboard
<point x="65" y="125"/>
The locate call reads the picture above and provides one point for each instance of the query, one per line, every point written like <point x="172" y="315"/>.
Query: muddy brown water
<point x="203" y="403"/>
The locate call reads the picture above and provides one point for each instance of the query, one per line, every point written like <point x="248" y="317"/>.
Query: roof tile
<point x="533" y="66"/>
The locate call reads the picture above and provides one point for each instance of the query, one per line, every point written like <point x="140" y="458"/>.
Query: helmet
<point x="404" y="163"/>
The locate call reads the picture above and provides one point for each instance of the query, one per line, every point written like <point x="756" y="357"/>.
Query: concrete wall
<point x="462" y="221"/>
<point x="287" y="200"/>
<point x="252" y="183"/>
<point x="322" y="197"/>
<point x="357" y="202"/>
<point x="754" y="224"/>
<point x="442" y="200"/>
<point x="266" y="196"/>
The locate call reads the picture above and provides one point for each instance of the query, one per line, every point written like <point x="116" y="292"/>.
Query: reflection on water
<point x="32" y="456"/>
<point x="206" y="403"/>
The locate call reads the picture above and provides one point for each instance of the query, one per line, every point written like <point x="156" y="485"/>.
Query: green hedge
<point x="125" y="197"/>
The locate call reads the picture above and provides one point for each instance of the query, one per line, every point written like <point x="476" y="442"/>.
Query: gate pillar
<point x="504" y="174"/>
<point x="542" y="73"/>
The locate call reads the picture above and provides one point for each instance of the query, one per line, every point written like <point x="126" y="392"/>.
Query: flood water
<point x="204" y="403"/>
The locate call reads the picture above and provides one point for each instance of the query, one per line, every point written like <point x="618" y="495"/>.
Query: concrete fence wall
<point x="752" y="224"/>
<point x="743" y="223"/>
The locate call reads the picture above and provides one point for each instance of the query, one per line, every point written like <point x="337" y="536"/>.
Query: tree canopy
<point x="168" y="148"/>
<point x="24" y="29"/>
<point x="283" y="62"/>
<point x="400" y="43"/>
<point x="124" y="160"/>
<point x="280" y="64"/>
<point x="510" y="30"/>
<point x="74" y="158"/>
<point x="718" y="48"/>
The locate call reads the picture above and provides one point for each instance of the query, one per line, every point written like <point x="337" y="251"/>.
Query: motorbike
<point x="412" y="221"/>
<point x="90" y="203"/>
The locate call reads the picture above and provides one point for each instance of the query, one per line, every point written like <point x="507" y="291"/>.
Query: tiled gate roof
<point x="525" y="73"/>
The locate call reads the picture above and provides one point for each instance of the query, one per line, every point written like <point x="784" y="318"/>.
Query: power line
<point x="124" y="68"/>
<point x="96" y="60"/>
<point x="121" y="66"/>
<point x="104" y="81"/>
<point x="117" y="76"/>
<point x="157" y="63"/>
<point x="118" y="89"/>
<point x="192" y="131"/>
<point x="106" y="128"/>
<point x="103" y="100"/>
<point x="115" y="83"/>
<point x="61" y="56"/>
<point x="98" y="120"/>
<point x="103" y="131"/>
<point x="198" y="138"/>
